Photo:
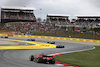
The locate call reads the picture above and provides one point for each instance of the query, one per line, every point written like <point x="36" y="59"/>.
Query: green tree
<point x="53" y="25"/>
<point x="63" y="27"/>
<point x="96" y="29"/>
<point x="39" y="19"/>
<point x="73" y="20"/>
<point x="57" y="26"/>
<point x="44" y="20"/>
<point x="91" y="28"/>
<point x="84" y="28"/>
<point x="73" y="28"/>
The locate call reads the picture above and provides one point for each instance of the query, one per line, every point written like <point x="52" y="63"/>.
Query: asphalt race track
<point x="20" y="58"/>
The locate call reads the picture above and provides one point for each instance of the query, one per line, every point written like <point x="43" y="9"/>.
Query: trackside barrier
<point x="50" y="37"/>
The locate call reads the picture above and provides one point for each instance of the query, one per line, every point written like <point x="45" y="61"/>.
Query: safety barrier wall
<point x="50" y="37"/>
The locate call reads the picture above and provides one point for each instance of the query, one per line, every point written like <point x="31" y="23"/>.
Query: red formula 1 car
<point x="43" y="59"/>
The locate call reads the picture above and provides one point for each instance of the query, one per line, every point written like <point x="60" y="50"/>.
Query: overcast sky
<point x="69" y="7"/>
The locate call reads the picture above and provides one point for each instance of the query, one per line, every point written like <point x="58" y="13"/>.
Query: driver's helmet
<point x="42" y="54"/>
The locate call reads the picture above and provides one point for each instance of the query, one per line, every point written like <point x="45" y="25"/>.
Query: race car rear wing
<point x="47" y="56"/>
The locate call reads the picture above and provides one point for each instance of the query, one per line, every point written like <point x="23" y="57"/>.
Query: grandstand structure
<point x="17" y="14"/>
<point x="58" y="19"/>
<point x="88" y="21"/>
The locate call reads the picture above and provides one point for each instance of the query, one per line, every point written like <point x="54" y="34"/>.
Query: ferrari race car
<point x="51" y="42"/>
<point x="60" y="46"/>
<point x="30" y="39"/>
<point x="43" y="59"/>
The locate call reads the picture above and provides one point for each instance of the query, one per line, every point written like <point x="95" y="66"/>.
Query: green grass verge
<point x="84" y="59"/>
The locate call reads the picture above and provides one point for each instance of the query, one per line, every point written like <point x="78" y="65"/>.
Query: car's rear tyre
<point x="45" y="61"/>
<point x="63" y="47"/>
<point x="52" y="61"/>
<point x="32" y="58"/>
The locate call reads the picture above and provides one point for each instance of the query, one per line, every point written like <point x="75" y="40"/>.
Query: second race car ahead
<point x="60" y="46"/>
<point x="43" y="59"/>
<point x="30" y="39"/>
<point x="51" y="42"/>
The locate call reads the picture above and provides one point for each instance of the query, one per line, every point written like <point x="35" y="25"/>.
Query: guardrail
<point x="50" y="37"/>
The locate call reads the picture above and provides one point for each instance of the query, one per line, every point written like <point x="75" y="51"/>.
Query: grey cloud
<point x="16" y="2"/>
<point x="69" y="7"/>
<point x="95" y="3"/>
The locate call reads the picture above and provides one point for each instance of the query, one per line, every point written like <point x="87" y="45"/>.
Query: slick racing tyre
<point x="52" y="61"/>
<point x="32" y="58"/>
